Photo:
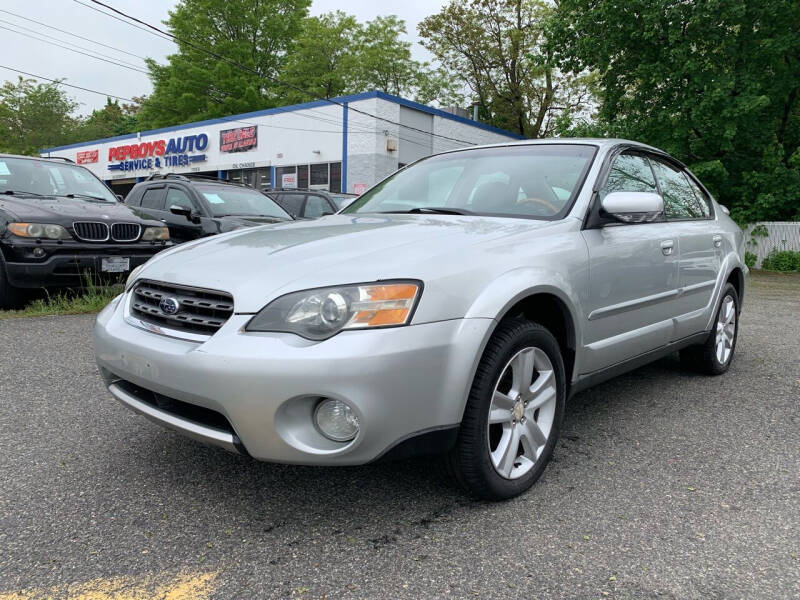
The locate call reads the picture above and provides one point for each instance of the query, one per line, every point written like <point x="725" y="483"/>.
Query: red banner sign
<point x="240" y="139"/>
<point x="87" y="156"/>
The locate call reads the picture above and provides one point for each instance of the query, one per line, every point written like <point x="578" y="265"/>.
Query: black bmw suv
<point x="60" y="223"/>
<point x="194" y="206"/>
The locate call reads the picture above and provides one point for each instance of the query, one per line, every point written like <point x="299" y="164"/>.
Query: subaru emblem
<point x="169" y="306"/>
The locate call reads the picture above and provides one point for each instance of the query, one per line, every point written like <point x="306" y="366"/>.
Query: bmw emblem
<point x="169" y="306"/>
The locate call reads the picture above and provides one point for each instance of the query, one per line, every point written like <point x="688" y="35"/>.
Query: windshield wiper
<point x="22" y="192"/>
<point x="434" y="210"/>
<point x="86" y="196"/>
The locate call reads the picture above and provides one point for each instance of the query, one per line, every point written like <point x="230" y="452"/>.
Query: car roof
<point x="599" y="142"/>
<point x="56" y="159"/>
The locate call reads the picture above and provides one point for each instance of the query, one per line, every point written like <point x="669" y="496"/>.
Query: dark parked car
<point x="59" y="222"/>
<point x="194" y="207"/>
<point x="311" y="204"/>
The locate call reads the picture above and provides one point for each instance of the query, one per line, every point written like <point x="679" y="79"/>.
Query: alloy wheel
<point x="521" y="413"/>
<point x="726" y="329"/>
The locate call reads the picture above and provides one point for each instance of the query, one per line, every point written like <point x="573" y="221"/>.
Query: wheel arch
<point x="549" y="304"/>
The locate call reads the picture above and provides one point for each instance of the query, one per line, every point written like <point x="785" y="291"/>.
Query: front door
<point x="633" y="277"/>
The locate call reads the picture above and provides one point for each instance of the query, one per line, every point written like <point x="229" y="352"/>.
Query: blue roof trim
<point x="293" y="108"/>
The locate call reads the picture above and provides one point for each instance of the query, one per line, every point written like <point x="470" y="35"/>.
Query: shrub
<point x="785" y="261"/>
<point x="750" y="259"/>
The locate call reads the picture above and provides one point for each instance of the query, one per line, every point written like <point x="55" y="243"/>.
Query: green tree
<point x="336" y="55"/>
<point x="714" y="82"/>
<point x="498" y="49"/>
<point x="34" y="116"/>
<point x="257" y="34"/>
<point x="113" y="119"/>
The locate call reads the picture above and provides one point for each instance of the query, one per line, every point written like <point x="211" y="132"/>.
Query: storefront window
<point x="319" y="174"/>
<point x="302" y="176"/>
<point x="336" y="178"/>
<point x="255" y="178"/>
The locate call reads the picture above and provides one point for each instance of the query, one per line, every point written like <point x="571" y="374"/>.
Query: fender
<point x="511" y="287"/>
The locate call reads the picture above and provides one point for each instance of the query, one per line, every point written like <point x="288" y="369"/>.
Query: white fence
<point x="781" y="235"/>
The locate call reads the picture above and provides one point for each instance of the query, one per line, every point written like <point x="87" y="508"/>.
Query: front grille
<point x="125" y="232"/>
<point x="199" y="310"/>
<point x="190" y="412"/>
<point x="91" y="231"/>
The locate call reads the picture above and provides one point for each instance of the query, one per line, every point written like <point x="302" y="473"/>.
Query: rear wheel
<point x="513" y="415"/>
<point x="10" y="297"/>
<point x="715" y="355"/>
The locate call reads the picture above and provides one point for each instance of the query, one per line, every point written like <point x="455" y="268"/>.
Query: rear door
<point x="633" y="276"/>
<point x="688" y="210"/>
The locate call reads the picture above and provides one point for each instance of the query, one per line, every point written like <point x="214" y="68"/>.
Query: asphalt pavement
<point x="665" y="484"/>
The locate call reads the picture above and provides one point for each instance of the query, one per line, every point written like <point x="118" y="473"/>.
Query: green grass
<point x="90" y="300"/>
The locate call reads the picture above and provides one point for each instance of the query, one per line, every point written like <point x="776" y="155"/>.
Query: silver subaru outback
<point x="453" y="308"/>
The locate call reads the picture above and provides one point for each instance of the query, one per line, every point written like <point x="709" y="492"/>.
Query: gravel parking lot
<point x="665" y="485"/>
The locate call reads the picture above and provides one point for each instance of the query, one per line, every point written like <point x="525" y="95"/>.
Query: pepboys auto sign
<point x="175" y="152"/>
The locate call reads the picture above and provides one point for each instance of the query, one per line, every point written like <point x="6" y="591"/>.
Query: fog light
<point x="336" y="420"/>
<point x="38" y="252"/>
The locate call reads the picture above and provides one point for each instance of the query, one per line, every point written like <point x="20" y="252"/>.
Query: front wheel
<point x="513" y="414"/>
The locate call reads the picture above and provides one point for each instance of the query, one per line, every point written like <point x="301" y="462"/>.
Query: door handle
<point x="666" y="247"/>
<point x="717" y="241"/>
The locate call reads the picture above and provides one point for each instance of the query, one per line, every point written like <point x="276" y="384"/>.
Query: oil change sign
<point x="174" y="152"/>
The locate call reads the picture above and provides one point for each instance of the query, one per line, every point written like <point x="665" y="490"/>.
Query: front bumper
<point x="401" y="382"/>
<point x="67" y="265"/>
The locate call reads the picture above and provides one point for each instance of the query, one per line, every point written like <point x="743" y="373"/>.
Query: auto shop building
<point x="347" y="144"/>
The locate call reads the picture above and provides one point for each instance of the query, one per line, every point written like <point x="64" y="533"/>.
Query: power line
<point x="163" y="37"/>
<point x="118" y="64"/>
<point x="59" y="82"/>
<point x="44" y="35"/>
<point x="253" y="71"/>
<point x="80" y="37"/>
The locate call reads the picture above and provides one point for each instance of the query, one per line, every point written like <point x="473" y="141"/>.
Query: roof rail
<point x="191" y="176"/>
<point x="64" y="158"/>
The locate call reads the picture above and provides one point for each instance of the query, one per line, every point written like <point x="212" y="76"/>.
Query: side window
<point x="177" y="197"/>
<point x="316" y="206"/>
<point x="702" y="197"/>
<point x="679" y="199"/>
<point x="134" y="198"/>
<point x="153" y="198"/>
<point x="629" y="173"/>
<point x="291" y="203"/>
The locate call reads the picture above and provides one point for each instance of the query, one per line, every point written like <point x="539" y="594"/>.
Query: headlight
<point x="46" y="231"/>
<point x="324" y="312"/>
<point x="132" y="277"/>
<point x="155" y="233"/>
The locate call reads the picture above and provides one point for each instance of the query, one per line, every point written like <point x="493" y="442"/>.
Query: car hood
<point x="59" y="209"/>
<point x="232" y="222"/>
<point x="261" y="263"/>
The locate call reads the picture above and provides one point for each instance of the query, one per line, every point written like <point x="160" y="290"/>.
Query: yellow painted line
<point x="163" y="586"/>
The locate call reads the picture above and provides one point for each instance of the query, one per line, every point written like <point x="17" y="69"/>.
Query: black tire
<point x="703" y="358"/>
<point x="10" y="297"/>
<point x="469" y="462"/>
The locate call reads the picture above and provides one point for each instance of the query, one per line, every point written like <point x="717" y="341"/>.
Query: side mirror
<point x="633" y="207"/>
<point x="119" y="198"/>
<point x="186" y="212"/>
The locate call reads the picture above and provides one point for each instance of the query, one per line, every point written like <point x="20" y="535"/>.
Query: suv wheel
<point x="513" y="415"/>
<point x="715" y="355"/>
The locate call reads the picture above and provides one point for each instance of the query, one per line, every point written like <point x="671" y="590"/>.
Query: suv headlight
<point x="132" y="277"/>
<point x="155" y="233"/>
<point x="48" y="231"/>
<point x="322" y="313"/>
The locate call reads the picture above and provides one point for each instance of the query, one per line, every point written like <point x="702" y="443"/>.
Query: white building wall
<point x="376" y="145"/>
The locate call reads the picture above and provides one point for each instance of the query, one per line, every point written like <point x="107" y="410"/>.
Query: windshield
<point x="46" y="178"/>
<point x="228" y="200"/>
<point x="534" y="181"/>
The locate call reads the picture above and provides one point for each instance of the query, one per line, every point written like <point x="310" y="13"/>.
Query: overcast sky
<point x="44" y="59"/>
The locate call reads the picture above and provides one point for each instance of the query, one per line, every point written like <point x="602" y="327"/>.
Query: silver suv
<point x="453" y="308"/>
